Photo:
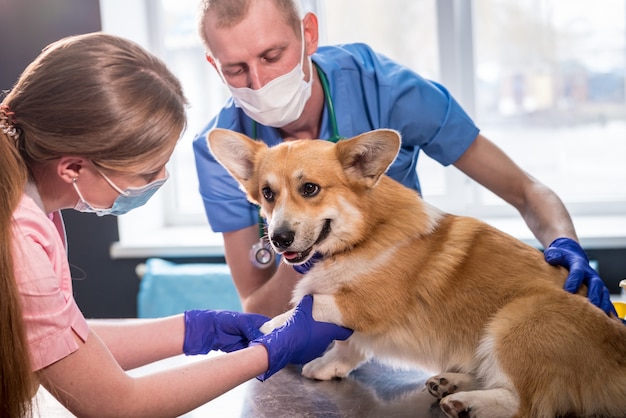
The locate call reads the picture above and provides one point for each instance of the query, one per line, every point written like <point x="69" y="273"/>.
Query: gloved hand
<point x="568" y="253"/>
<point x="220" y="330"/>
<point x="300" y="339"/>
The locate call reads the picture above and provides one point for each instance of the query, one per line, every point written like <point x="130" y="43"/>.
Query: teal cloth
<point x="168" y="288"/>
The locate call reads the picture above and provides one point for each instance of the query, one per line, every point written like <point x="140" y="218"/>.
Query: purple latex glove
<point x="568" y="253"/>
<point x="300" y="340"/>
<point x="220" y="330"/>
<point x="304" y="268"/>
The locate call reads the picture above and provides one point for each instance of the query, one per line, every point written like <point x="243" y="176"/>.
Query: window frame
<point x="154" y="231"/>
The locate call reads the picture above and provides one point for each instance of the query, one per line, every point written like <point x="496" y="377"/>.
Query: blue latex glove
<point x="300" y="339"/>
<point x="220" y="330"/>
<point x="568" y="253"/>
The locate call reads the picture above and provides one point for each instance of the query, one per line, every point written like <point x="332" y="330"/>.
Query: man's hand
<point x="568" y="253"/>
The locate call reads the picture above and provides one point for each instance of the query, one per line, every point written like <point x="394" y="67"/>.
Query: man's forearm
<point x="546" y="216"/>
<point x="274" y="297"/>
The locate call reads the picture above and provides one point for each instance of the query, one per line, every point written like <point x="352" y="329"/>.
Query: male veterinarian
<point x="283" y="87"/>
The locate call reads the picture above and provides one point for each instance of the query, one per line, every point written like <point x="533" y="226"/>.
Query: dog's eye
<point x="309" y="189"/>
<point x="268" y="194"/>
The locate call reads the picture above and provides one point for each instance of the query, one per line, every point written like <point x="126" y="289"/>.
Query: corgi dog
<point x="448" y="294"/>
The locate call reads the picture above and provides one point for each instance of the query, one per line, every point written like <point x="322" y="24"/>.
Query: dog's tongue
<point x="289" y="255"/>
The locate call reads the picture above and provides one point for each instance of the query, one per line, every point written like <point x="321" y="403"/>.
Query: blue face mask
<point x="131" y="198"/>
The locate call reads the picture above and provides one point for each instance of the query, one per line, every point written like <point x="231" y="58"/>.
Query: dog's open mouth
<point x="292" y="257"/>
<point x="297" y="258"/>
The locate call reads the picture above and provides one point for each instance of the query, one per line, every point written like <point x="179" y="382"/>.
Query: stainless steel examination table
<point x="371" y="391"/>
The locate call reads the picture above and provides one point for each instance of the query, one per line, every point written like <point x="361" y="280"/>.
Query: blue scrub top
<point x="369" y="91"/>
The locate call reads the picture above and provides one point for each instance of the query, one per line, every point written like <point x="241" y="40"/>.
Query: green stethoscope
<point x="261" y="254"/>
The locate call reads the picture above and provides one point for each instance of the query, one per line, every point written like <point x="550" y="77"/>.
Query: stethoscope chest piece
<point x="262" y="255"/>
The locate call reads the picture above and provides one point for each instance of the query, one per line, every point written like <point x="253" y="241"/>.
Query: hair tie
<point x="8" y="121"/>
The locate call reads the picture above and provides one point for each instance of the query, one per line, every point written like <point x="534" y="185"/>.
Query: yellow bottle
<point x="620" y="307"/>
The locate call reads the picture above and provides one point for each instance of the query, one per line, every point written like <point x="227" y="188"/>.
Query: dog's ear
<point x="235" y="152"/>
<point x="366" y="157"/>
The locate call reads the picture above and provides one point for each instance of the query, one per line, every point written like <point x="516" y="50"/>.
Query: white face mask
<point x="279" y="102"/>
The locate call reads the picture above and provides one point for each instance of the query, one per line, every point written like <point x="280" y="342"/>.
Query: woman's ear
<point x="69" y="168"/>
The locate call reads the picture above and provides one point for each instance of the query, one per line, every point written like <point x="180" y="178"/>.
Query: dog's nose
<point x="283" y="238"/>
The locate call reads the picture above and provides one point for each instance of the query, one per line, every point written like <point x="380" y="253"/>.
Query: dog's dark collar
<point x="305" y="267"/>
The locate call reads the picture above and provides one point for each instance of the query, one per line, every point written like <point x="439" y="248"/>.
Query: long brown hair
<point x="16" y="379"/>
<point x="94" y="95"/>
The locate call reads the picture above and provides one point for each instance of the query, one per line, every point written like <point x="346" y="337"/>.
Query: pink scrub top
<point x="50" y="313"/>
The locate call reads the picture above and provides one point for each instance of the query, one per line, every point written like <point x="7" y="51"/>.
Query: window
<point x="546" y="85"/>
<point x="173" y="222"/>
<point x="543" y="79"/>
<point x="550" y="91"/>
<point x="376" y="23"/>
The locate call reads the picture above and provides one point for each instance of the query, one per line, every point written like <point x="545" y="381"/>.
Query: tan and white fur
<point x="421" y="287"/>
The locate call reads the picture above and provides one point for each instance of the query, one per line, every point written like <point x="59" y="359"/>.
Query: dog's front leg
<point x="324" y="310"/>
<point x="340" y="359"/>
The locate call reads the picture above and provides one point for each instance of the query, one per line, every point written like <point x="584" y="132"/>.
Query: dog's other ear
<point x="235" y="152"/>
<point x="366" y="157"/>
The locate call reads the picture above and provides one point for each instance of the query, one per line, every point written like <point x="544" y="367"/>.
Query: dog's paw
<point x="455" y="408"/>
<point x="268" y="327"/>
<point x="491" y="403"/>
<point x="340" y="359"/>
<point x="275" y="322"/>
<point x="272" y="324"/>
<point x="322" y="369"/>
<point x="445" y="384"/>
